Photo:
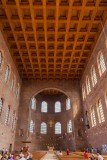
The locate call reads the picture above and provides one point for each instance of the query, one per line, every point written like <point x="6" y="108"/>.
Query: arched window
<point x="58" y="128"/>
<point x="31" y="128"/>
<point x="83" y="92"/>
<point x="101" y="63"/>
<point x="1" y="58"/>
<point x="1" y="104"/>
<point x="68" y="104"/>
<point x="106" y="98"/>
<point x="44" y="106"/>
<point x="93" y="76"/>
<point x="7" y="115"/>
<point x="88" y="87"/>
<point x="69" y="126"/>
<point x="17" y="91"/>
<point x="93" y="117"/>
<point x="58" y="106"/>
<point x="13" y="120"/>
<point x="100" y="111"/>
<point x="12" y="84"/>
<point x="6" y="74"/>
<point x="33" y="103"/>
<point x="43" y="129"/>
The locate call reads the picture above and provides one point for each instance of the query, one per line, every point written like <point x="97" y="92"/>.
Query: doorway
<point x="10" y="148"/>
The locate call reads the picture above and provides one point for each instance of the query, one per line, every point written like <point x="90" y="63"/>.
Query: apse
<point x="51" y="120"/>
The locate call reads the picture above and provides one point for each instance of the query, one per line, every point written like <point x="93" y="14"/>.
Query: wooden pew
<point x="70" y="156"/>
<point x="77" y="156"/>
<point x="90" y="154"/>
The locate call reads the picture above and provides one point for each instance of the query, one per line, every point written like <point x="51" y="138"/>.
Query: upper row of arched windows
<point x="101" y="68"/>
<point x="44" y="105"/>
<point x="6" y="77"/>
<point x="43" y="127"/>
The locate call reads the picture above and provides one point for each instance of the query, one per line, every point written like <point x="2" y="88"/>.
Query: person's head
<point x="98" y="154"/>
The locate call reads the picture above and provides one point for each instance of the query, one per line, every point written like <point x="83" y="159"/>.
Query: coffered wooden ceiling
<point x="51" y="39"/>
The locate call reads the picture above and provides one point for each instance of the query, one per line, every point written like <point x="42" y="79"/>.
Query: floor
<point x="49" y="156"/>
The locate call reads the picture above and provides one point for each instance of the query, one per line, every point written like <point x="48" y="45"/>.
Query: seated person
<point x="92" y="158"/>
<point x="67" y="151"/>
<point x="60" y="153"/>
<point x="100" y="157"/>
<point x="85" y="155"/>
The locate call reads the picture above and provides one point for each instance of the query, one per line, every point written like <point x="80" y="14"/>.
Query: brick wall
<point x="32" y="88"/>
<point x="7" y="134"/>
<point x="97" y="135"/>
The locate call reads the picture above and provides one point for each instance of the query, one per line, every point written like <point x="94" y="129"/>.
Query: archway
<point x="55" y="111"/>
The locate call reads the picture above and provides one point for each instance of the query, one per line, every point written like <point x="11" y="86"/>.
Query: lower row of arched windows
<point x="8" y="115"/>
<point x="97" y="112"/>
<point x="57" y="127"/>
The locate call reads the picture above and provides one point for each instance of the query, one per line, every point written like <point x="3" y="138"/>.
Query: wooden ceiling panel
<point x="51" y="39"/>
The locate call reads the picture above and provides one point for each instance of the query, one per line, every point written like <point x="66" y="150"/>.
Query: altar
<point x="50" y="148"/>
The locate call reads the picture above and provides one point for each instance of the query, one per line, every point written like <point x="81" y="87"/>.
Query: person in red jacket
<point x="67" y="151"/>
<point x="85" y="155"/>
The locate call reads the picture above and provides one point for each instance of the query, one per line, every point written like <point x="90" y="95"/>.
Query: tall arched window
<point x="1" y="104"/>
<point x="1" y="58"/>
<point x="83" y="92"/>
<point x="31" y="127"/>
<point x="106" y="98"/>
<point x="12" y="84"/>
<point x="101" y="63"/>
<point x="93" y="76"/>
<point x="68" y="104"/>
<point x="7" y="115"/>
<point x="6" y="74"/>
<point x="13" y="120"/>
<point x="58" y="128"/>
<point x="33" y="103"/>
<point x="43" y="128"/>
<point x="69" y="126"/>
<point x="44" y="107"/>
<point x="93" y="117"/>
<point x="17" y="91"/>
<point x="58" y="106"/>
<point x="88" y="87"/>
<point x="100" y="111"/>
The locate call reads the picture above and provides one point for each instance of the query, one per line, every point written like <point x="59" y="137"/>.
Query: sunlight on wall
<point x="75" y="109"/>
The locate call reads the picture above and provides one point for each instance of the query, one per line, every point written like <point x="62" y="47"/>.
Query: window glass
<point x="69" y="126"/>
<point x="31" y="129"/>
<point x="101" y="63"/>
<point x="100" y="111"/>
<point x="6" y="74"/>
<point x="58" y="107"/>
<point x="93" y="117"/>
<point x="44" y="106"/>
<point x="43" y="128"/>
<point x="68" y="104"/>
<point x="58" y="128"/>
<point x="7" y="115"/>
<point x="33" y="103"/>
